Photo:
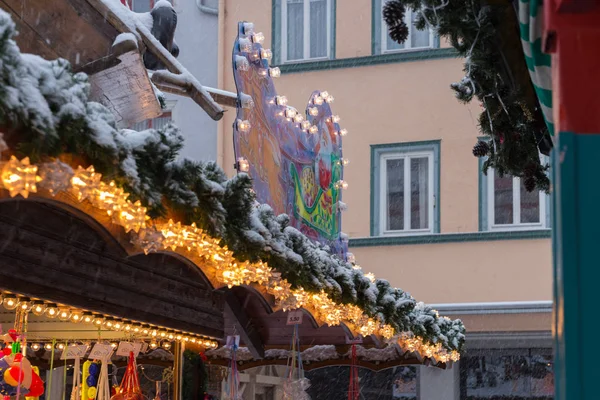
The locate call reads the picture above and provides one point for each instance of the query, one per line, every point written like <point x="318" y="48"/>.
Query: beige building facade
<point x="420" y="214"/>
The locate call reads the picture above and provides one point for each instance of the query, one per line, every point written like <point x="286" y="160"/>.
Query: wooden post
<point x="178" y="350"/>
<point x="572" y="35"/>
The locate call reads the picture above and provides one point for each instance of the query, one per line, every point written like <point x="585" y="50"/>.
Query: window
<point x="507" y="205"/>
<point x="417" y="40"/>
<point x="155" y="123"/>
<point x="405" y="188"/>
<point x="306" y="29"/>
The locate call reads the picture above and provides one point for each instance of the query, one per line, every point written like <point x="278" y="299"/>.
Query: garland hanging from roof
<point x="486" y="34"/>
<point x="45" y="115"/>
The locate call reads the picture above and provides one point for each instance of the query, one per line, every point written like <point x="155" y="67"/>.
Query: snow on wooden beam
<point x="125" y="20"/>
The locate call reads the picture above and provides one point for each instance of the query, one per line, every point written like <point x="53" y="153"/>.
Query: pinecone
<point x="481" y="149"/>
<point x="530" y="171"/>
<point x="399" y="33"/>
<point x="393" y="13"/>
<point x="529" y="183"/>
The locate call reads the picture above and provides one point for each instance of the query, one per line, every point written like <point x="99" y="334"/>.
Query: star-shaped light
<point x="85" y="183"/>
<point x="20" y="177"/>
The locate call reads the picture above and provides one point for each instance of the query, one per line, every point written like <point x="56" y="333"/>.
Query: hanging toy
<point x="89" y="380"/>
<point x="37" y="385"/>
<point x="130" y="385"/>
<point x="232" y="386"/>
<point x="296" y="385"/>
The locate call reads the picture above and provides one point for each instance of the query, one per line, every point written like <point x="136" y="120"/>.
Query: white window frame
<point x="383" y="209"/>
<point x="408" y="22"/>
<point x="306" y="33"/>
<point x="515" y="226"/>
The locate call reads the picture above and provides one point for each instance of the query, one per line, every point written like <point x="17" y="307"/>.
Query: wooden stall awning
<point x="52" y="252"/>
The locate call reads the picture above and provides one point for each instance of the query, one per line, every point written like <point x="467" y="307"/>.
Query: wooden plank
<point x="27" y="39"/>
<point x="126" y="91"/>
<point x="244" y="326"/>
<point x="62" y="28"/>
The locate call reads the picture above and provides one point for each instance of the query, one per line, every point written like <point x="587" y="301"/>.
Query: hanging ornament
<point x="85" y="183"/>
<point x="130" y="385"/>
<point x="354" y="386"/>
<point x="232" y="385"/>
<point x="56" y="177"/>
<point x="19" y="177"/>
<point x="296" y="384"/>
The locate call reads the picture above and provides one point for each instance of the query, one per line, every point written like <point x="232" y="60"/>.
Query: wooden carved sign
<point x="294" y="157"/>
<point x="125" y="88"/>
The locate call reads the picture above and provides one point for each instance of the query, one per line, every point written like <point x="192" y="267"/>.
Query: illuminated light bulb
<point x="179" y="336"/>
<point x="166" y="345"/>
<point x="298" y="118"/>
<point x="38" y="308"/>
<point x="163" y="334"/>
<point x="154" y="333"/>
<point x="263" y="72"/>
<point x="145" y="330"/>
<point x="245" y="45"/>
<point x="153" y="344"/>
<point x="127" y="327"/>
<point x="48" y="346"/>
<point x="350" y="258"/>
<point x="60" y="346"/>
<point x="193" y="340"/>
<point x="329" y="99"/>
<point x="314" y="111"/>
<point x="243" y="125"/>
<point x="258" y="37"/>
<point x="136" y="328"/>
<point x="344" y="161"/>
<point x="266" y="54"/>
<point x="356" y="267"/>
<point x="114" y="345"/>
<point x="254" y="55"/>
<point x="370" y="276"/>
<point x="64" y="314"/>
<point x="247" y="28"/>
<point x="290" y="113"/>
<point x="274" y="72"/>
<point x="324" y="94"/>
<point x="36" y="346"/>
<point x="318" y="100"/>
<point x="247" y="102"/>
<point x="281" y="100"/>
<point x="11" y="302"/>
<point x="24" y="304"/>
<point x="98" y="320"/>
<point x="117" y="325"/>
<point x="171" y="336"/>
<point x="19" y="177"/>
<point x="87" y="317"/>
<point x="305" y="125"/>
<point x="186" y="339"/>
<point x="76" y="316"/>
<point x="343" y="132"/>
<point x="313" y="129"/>
<point x="109" y="323"/>
<point x="51" y="311"/>
<point x="336" y="118"/>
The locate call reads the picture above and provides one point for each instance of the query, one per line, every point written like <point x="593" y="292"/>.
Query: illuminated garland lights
<point x="65" y="313"/>
<point x="20" y="177"/>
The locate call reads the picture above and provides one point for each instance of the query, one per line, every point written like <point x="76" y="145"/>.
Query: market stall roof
<point x="83" y="32"/>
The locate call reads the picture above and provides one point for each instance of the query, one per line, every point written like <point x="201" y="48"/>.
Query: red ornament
<point x="7" y="351"/>
<point x="37" y="386"/>
<point x="203" y="356"/>
<point x="13" y="334"/>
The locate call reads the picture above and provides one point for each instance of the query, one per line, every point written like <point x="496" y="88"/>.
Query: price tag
<point x="356" y="340"/>
<point x="101" y="352"/>
<point x="127" y="347"/>
<point x="295" y="317"/>
<point x="143" y="347"/>
<point x="72" y="352"/>
<point x="233" y="340"/>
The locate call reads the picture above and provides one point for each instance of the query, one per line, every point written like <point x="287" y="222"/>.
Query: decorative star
<point x="20" y="177"/>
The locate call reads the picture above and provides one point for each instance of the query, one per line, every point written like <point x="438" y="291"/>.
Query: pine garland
<point x="45" y="114"/>
<point x="486" y="35"/>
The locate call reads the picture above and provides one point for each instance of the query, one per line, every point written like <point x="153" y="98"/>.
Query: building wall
<point x="197" y="37"/>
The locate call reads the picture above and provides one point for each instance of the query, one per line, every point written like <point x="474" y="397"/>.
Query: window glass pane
<point x="295" y="29"/>
<point x="419" y="193"/>
<point x="142" y="5"/>
<point x="503" y="199"/>
<point x="418" y="38"/>
<point x="318" y="28"/>
<point x="530" y="205"/>
<point x="395" y="194"/>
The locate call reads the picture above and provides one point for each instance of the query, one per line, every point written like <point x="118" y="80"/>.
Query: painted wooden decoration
<point x="294" y="157"/>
